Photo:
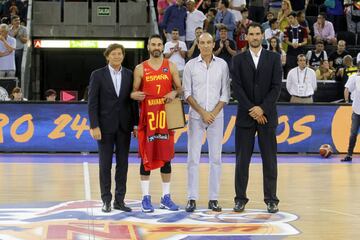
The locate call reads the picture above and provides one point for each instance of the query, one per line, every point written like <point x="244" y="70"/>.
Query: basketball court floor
<point x="56" y="196"/>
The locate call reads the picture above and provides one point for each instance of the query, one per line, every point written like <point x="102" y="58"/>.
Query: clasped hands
<point x="258" y="115"/>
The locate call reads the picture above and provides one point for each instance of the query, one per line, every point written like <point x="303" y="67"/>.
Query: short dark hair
<point x="175" y="30"/>
<point x="50" y="92"/>
<point x="223" y="27"/>
<point x="213" y="10"/>
<point x="268" y="13"/>
<point x="272" y="21"/>
<point x="322" y="14"/>
<point x="244" y="10"/>
<point x="293" y="13"/>
<point x="198" y="28"/>
<point x="225" y="2"/>
<point x="301" y="56"/>
<point x="155" y="36"/>
<point x="299" y="13"/>
<point x="112" y="47"/>
<point x="14" y="17"/>
<point x="254" y="25"/>
<point x="319" y="42"/>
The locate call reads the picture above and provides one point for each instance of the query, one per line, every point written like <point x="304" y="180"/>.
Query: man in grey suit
<point x="257" y="75"/>
<point x="113" y="116"/>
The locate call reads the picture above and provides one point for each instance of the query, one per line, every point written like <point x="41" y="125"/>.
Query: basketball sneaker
<point x="167" y="203"/>
<point x="347" y="159"/>
<point x="146" y="205"/>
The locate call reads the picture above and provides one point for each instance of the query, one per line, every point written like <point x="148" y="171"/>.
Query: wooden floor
<point x="324" y="196"/>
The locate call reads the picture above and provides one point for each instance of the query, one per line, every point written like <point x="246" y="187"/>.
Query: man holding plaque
<point x="207" y="89"/>
<point x="153" y="87"/>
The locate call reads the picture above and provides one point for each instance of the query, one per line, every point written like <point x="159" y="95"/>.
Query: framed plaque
<point x="175" y="116"/>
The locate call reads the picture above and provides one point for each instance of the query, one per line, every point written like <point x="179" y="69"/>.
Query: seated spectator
<point x="194" y="51"/>
<point x="348" y="69"/>
<point x="336" y="58"/>
<point x="16" y="95"/>
<point x="283" y="15"/>
<point x="50" y="95"/>
<point x="275" y="46"/>
<point x="301" y="82"/>
<point x="210" y="18"/>
<point x="267" y="24"/>
<point x="314" y="57"/>
<point x="7" y="52"/>
<point x="324" y="72"/>
<point x="175" y="51"/>
<point x="324" y="30"/>
<point x="224" y="16"/>
<point x="18" y="32"/>
<point x="194" y="19"/>
<point x="304" y="23"/>
<point x="225" y="48"/>
<point x="241" y="29"/>
<point x="273" y="31"/>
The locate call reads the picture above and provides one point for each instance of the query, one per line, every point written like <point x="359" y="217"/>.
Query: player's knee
<point x="166" y="168"/>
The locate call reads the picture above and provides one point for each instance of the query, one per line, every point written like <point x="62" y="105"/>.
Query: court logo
<point x="84" y="220"/>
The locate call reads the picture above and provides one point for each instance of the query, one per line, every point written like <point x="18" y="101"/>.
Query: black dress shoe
<point x="190" y="206"/>
<point x="239" y="206"/>
<point x="213" y="205"/>
<point x="272" y="207"/>
<point x="121" y="206"/>
<point x="106" y="207"/>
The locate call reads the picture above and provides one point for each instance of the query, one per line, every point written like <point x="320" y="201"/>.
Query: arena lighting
<point x="45" y="43"/>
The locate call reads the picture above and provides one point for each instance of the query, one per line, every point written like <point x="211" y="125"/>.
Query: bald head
<point x="206" y="44"/>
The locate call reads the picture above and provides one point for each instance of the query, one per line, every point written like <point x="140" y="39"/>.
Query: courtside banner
<point x="64" y="127"/>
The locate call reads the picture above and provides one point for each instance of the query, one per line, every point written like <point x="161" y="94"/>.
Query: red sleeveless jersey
<point x="156" y="142"/>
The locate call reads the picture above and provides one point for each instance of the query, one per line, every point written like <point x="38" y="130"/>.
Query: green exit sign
<point x="103" y="11"/>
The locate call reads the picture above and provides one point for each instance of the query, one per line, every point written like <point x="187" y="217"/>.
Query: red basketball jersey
<point x="156" y="142"/>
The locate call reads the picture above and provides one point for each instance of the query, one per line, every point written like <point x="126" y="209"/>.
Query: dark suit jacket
<point x="106" y="109"/>
<point x="256" y="87"/>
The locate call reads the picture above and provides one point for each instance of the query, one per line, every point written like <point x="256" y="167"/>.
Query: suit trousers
<point x="244" y="147"/>
<point x="121" y="142"/>
<point x="214" y="133"/>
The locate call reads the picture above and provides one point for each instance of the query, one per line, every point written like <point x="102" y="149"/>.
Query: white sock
<point x="166" y="188"/>
<point x="145" y="187"/>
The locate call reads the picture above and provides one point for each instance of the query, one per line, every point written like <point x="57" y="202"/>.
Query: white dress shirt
<point x="207" y="85"/>
<point x="353" y="85"/>
<point x="255" y="57"/>
<point x="301" y="83"/>
<point x="116" y="78"/>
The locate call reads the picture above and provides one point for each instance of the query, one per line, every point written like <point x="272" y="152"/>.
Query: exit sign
<point x="103" y="10"/>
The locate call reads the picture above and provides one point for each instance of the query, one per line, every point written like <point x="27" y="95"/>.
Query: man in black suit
<point x="256" y="82"/>
<point x="113" y="116"/>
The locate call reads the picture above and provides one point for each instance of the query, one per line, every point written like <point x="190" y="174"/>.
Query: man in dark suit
<point x="257" y="75"/>
<point x="113" y="116"/>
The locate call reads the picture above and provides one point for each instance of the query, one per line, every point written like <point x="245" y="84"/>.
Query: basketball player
<point x="153" y="83"/>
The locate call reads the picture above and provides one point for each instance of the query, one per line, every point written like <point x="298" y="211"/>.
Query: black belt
<point x="303" y="96"/>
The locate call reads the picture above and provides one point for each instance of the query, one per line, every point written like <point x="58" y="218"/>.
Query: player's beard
<point x="255" y="44"/>
<point x="156" y="53"/>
